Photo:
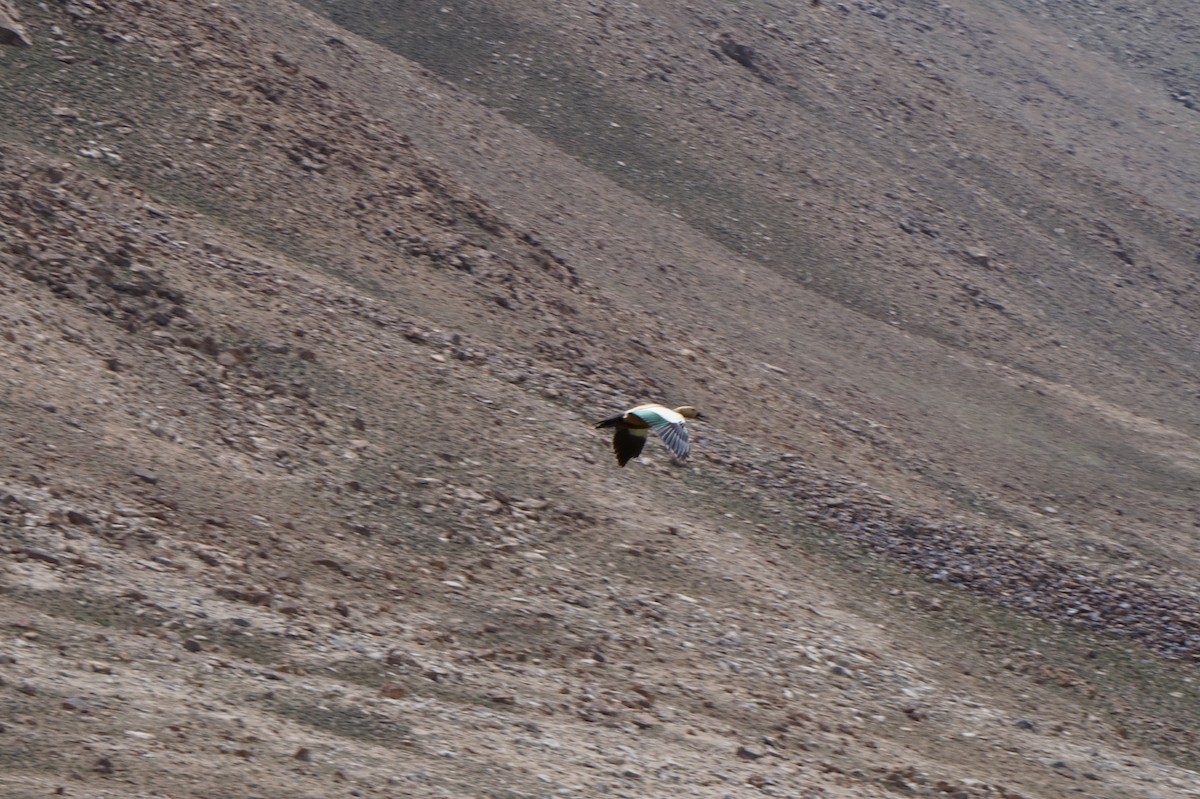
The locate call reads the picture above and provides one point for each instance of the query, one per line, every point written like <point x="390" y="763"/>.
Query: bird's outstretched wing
<point x="668" y="426"/>
<point x="627" y="444"/>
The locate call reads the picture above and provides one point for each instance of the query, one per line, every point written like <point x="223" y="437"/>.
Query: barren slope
<point x="1050" y="309"/>
<point x="303" y="337"/>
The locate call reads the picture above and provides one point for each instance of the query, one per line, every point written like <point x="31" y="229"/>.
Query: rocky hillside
<point x="307" y="311"/>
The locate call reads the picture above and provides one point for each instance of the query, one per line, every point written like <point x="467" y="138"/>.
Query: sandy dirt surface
<point x="307" y="312"/>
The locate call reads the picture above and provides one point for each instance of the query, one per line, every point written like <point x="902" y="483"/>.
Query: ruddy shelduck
<point x="634" y="425"/>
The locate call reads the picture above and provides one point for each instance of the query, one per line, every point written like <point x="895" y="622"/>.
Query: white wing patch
<point x="669" y="426"/>
<point x="652" y="414"/>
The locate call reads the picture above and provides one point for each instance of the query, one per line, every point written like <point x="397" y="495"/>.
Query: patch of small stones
<point x="1013" y="575"/>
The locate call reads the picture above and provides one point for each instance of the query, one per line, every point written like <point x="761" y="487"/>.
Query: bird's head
<point x="688" y="412"/>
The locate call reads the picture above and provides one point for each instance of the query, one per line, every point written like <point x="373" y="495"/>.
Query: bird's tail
<point x="611" y="421"/>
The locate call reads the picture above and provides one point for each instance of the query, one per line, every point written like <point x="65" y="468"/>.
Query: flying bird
<point x="634" y="425"/>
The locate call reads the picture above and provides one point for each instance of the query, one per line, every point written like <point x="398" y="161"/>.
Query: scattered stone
<point x="75" y="704"/>
<point x="78" y="518"/>
<point x="978" y="257"/>
<point x="397" y="657"/>
<point x="33" y="553"/>
<point x="145" y="475"/>
<point x="12" y="32"/>
<point x="392" y="690"/>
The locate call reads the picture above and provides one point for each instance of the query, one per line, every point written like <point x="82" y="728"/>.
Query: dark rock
<point x="33" y="553"/>
<point x="12" y="32"/>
